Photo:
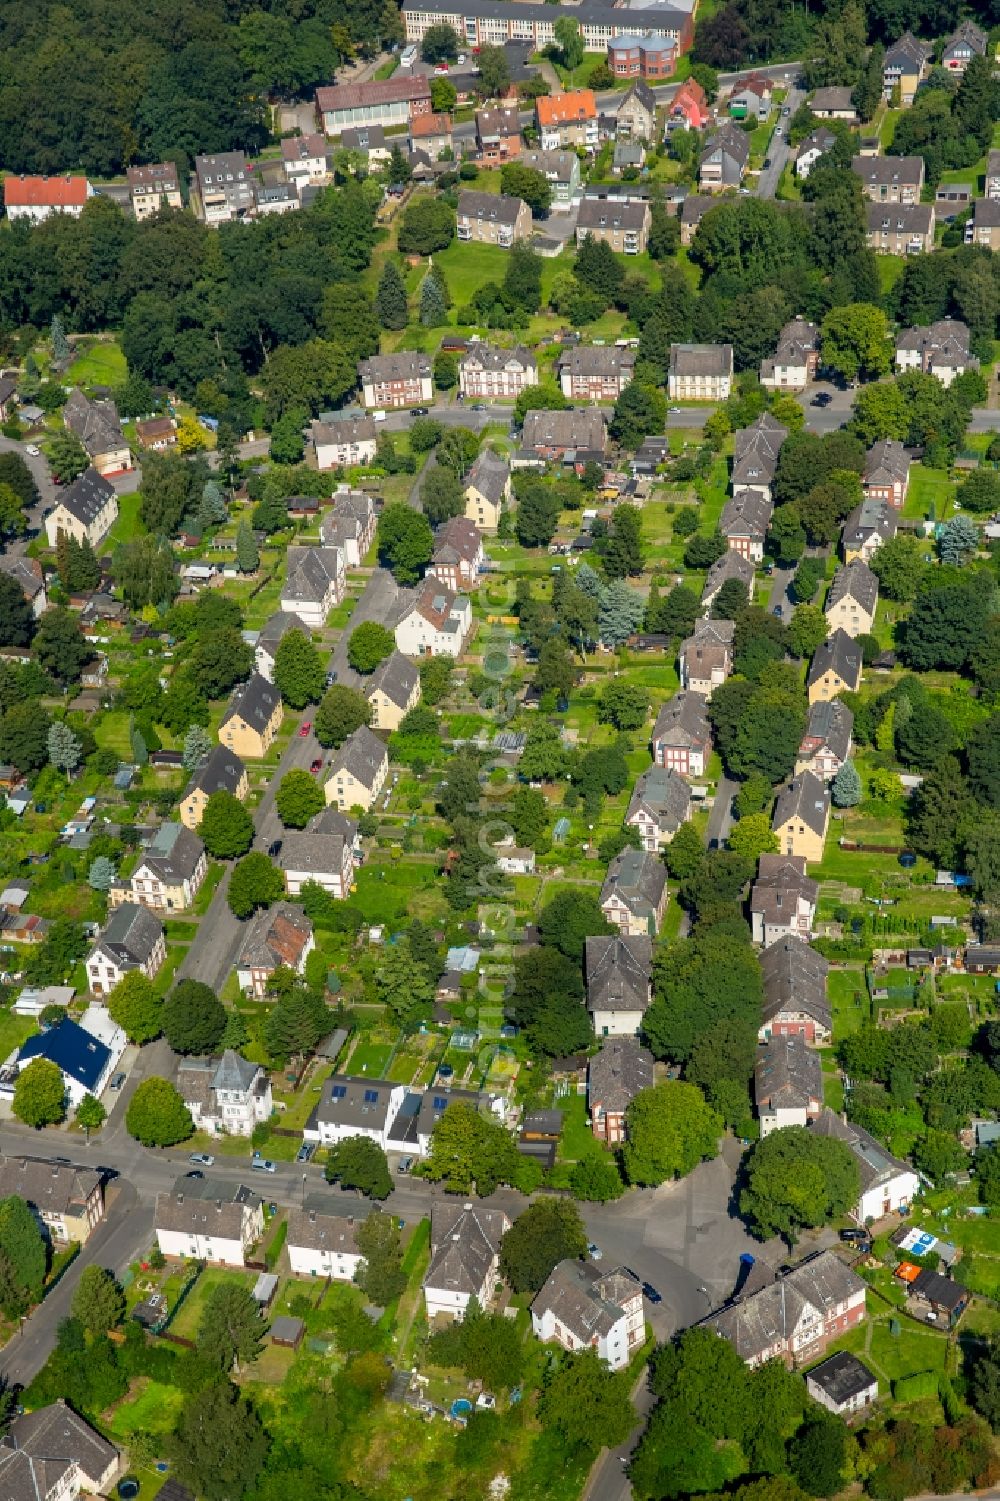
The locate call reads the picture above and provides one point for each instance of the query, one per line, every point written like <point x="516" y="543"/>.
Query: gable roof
<point x="794" y="977"/>
<point x="406" y="365"/>
<point x="839" y="654"/>
<point x="45" y="1443"/>
<point x="73" y="1051"/>
<point x="353" y="1100"/>
<point x="53" y="1187"/>
<point x="396" y="677"/>
<point x="465" y="1242"/>
<point x="639" y="91"/>
<point x="310" y="573"/>
<point x="830" y="723"/>
<point x="174" y="853"/>
<point x="599" y="360"/>
<point x="457" y="541"/>
<point x="87" y="496"/>
<point x="871" y="517"/>
<point x="221" y="771"/>
<point x="187" y="1211"/>
<point x="132" y="933"/>
<point x="618" y="972"/>
<point x="805" y="798"/>
<point x="316" y="1231"/>
<point x="683" y="719"/>
<point x="729" y="141"/>
<point x="607" y="213"/>
<point x="662" y="793"/>
<point x="585" y="1300"/>
<point x="276" y="937"/>
<point x="787" y="1075"/>
<point x="732" y="565"/>
<point x="876" y="1164"/>
<point x="362" y="756"/>
<point x="888" y="171"/>
<point x="756" y="1322"/>
<point x="746" y="513"/>
<point x="574" y="427"/>
<point x="277" y="626"/>
<point x="403" y="87"/>
<point x="489" y="474"/>
<point x="887" y="462"/>
<point x="489" y="357"/>
<point x="855" y="581"/>
<point x="37" y="192"/>
<point x="564" y="109"/>
<point x="498" y="208"/>
<point x="95" y="423"/>
<point x="908" y="51"/>
<point x="637" y="878"/>
<point x="618" y="1073"/>
<point x="781" y="883"/>
<point x="255" y="702"/>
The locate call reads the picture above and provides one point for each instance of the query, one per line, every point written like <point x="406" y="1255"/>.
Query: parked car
<point x="317" y="765"/>
<point x="649" y="1291"/>
<point x="421" y="411"/>
<point x="117" y="1081"/>
<point x="195" y="1173"/>
<point x="822" y="400"/>
<point x="331" y="678"/>
<point x="33" y="449"/>
<point x="594" y="1252"/>
<point x="405" y="1164"/>
<point x="263" y="1164"/>
<point x="305" y="727"/>
<point x="305" y="1151"/>
<point x="274" y="848"/>
<point x="855" y="1237"/>
<point x="203" y="1159"/>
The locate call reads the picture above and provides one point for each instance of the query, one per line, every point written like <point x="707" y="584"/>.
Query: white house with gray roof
<point x="787" y="1084"/>
<point x="133" y="939"/>
<point x="323" y="853"/>
<point x="52" y="1454"/>
<point x="782" y="899"/>
<point x="826" y="744"/>
<point x="349" y="524"/>
<point x="355" y="1106"/>
<point x="634" y="893"/>
<point x="486" y="373"/>
<point x="270" y="637"/>
<point x="433" y="621"/>
<point x="169" y="873"/>
<point x="203" y="1220"/>
<point x="660" y="803"/>
<point x="314" y="583"/>
<point x="87" y="510"/>
<point x="323" y="1245"/>
<point x="619" y="983"/>
<point x="465" y="1257"/>
<point x="580" y="1308"/>
<point x="887" y="1184"/>
<point x="340" y="444"/>
<point x="357" y="772"/>
<point x="700" y="372"/>
<point x="226" y="1096"/>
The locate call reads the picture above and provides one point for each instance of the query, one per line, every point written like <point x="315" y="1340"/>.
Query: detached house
<point x="751" y="100"/>
<point x="355" y="1106"/>
<point x="907" y="63"/>
<point x="794" y="363"/>
<point x="782" y="900"/>
<point x="623" y="226"/>
<point x="202" y="1221"/>
<point x="279" y="937"/>
<point x="941" y="350"/>
<point x="304" y="159"/>
<point x="887" y="1184"/>
<point x="51" y="1454"/>
<point x="323" y="1245"/>
<point x="581" y="1307"/>
<point x="498" y="133"/>
<point x="392" y="691"/>
<point x="226" y="1096"/>
<point x="706" y="658"/>
<point x="693" y="210"/>
<point x="689" y="108"/>
<point x="787" y="1084"/>
<point x="619" y="984"/>
<point x="816" y="144"/>
<point x="252" y="719"/>
<point x="96" y="425"/>
<point x="591" y="372"/>
<point x="700" y="372"/>
<point x="357" y="771"/>
<point x="28" y="573"/>
<point x="835" y="668"/>
<point x="223" y="187"/>
<point x="153" y="188"/>
<point x="834" y="103"/>
<point x="890" y="179"/>
<point x="634" y="894"/>
<point x="434" y="621"/>
<point x="853" y="597"/>
<point x="802" y="816"/>
<point x="275" y="628"/>
<point x="487" y="490"/>
<point x="755" y="455"/>
<point x="465" y="1257"/>
<point x="636" y="116"/>
<point x="86" y="510"/>
<point x="682" y="735"/>
<point x="561" y="435"/>
<point x="615" y="1075"/>
<point x="314" y="584"/>
<point x="458" y="554"/>
<point x="132" y="939"/>
<point x="345" y="443"/>
<point x="795" y="999"/>
<point x="965" y="43"/>
<point x="568" y="119"/>
<point x="492" y="219"/>
<point x="36" y="198"/>
<point x="490" y="374"/>
<point x="322" y="853"/>
<point x="869" y="525"/>
<point x="431" y="133"/>
<point x="984" y="226"/>
<point x="724" y="160"/>
<point x="826" y="743"/>
<point x="369" y="141"/>
<point x="169" y="874"/>
<point x="349" y="524"/>
<point x="732" y="565"/>
<point x="221" y="771"/>
<point x="794" y="1316"/>
<point x="745" y="519"/>
<point x="660" y="803"/>
<point x="843" y="1384"/>
<point x="886" y="474"/>
<point x="396" y="380"/>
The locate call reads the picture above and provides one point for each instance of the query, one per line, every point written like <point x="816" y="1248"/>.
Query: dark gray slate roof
<point x="618" y="973"/>
<point x="347" y="1100"/>
<point x="255" y="702"/>
<point x="637" y="878"/>
<point x="489" y="474"/>
<point x="362" y="754"/>
<point x="876" y="1164"/>
<point x="465" y="1240"/>
<point x="664" y="793"/>
<point x="842" y="1377"/>
<point x="395" y="677"/>
<point x="781" y="882"/>
<point x="586" y="1300"/>
<point x="839" y="654"/>
<point x="221" y="771"/>
<point x="41" y="1447"/>
<point x="806" y="798"/>
<point x="756" y="1322"/>
<point x="617" y="1073"/>
<point x="324" y="1232"/>
<point x="794" y="978"/>
<point x="787" y="1075"/>
<point x="87" y="496"/>
<point x="701" y="359"/>
<point x="132" y="933"/>
<point x="683" y="719"/>
<point x="854" y="581"/>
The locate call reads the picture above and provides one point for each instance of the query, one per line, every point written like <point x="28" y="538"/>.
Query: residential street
<point x="779" y="150"/>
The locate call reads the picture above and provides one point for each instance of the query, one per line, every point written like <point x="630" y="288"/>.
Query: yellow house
<point x="252" y="719"/>
<point x="392" y="691"/>
<point x="835" y="668"/>
<point x="86" y="510"/>
<point x="221" y="771"/>
<point x="487" y="491"/>
<point x="802" y="816"/>
<point x="358" y="772"/>
<point x="850" y="605"/>
<point x="68" y="1200"/>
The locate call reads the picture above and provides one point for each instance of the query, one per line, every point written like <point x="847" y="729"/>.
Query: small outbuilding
<point x="287" y="1331"/>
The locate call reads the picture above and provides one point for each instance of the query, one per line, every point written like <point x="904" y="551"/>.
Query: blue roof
<point x="71" y="1049"/>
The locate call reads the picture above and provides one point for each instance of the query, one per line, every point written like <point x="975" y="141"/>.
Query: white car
<point x="33" y="449"/>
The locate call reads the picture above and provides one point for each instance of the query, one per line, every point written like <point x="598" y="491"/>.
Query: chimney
<point x="312" y="1216"/>
<point x="350" y="1219"/>
<point x="180" y="1198"/>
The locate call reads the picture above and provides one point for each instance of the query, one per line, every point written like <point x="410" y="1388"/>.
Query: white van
<point x="378" y="416"/>
<point x="408" y="57"/>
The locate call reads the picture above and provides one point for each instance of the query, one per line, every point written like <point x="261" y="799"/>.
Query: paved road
<point x="721" y="816"/>
<point x="778" y="150"/>
<point x="214" y="950"/>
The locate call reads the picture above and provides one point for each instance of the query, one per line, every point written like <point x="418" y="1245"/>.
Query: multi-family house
<point x="169" y="873"/>
<point x="226" y="1096"/>
<point x="491" y="374"/>
<point x="465" y="1258"/>
<point x="496" y="22"/>
<point x="346" y="442"/>
<point x="580" y="1308"/>
<point x="133" y="939"/>
<point x="706" y="659"/>
<point x="458" y="554"/>
<point x="568" y="119"/>
<point x="941" y="349"/>
<point x="274" y="193"/>
<point x="34" y="199"/>
<point x="304" y="159"/>
<point x="802" y="816"/>
<point x="391" y="101"/>
<point x="886" y="475"/>
<point x="595" y="372"/>
<point x="208" y="1221"/>
<point x="396" y="380"/>
<point x="689" y="108"/>
<point x="392" y="690"/>
<point x="349" y="524"/>
<point x="732" y="565"/>
<point x="223" y="187"/>
<point x="323" y="1245"/>
<point x="816" y="144"/>
<point x="51" y="1454"/>
<point x="795" y="999"/>
<point x="890" y="179"/>
<point x="556" y="435"/>
<point x="96" y="425"/>
<point x="751" y="100"/>
<point x="660" y="803"/>
<point x="724" y="161"/>
<point x="487" y="490"/>
<point x="700" y="372"/>
<point x="68" y="1200"/>
<point x="252" y="719"/>
<point x="28" y="573"/>
<point x="852" y="600"/>
<point x="322" y="854"/>
<point x="682" y="735"/>
<point x="984" y="226"/>
<point x="352" y="1105"/>
<point x="693" y="210"/>
<point x="369" y="141"/>
<point x="787" y="1084"/>
<point x="887" y="1184"/>
<point x="357" y="771"/>
<point x="279" y="937"/>
<point x="634" y="894"/>
<point x="755" y="454"/>
<point x="867" y="527"/>
<point x="906" y="64"/>
<point x="900" y="228"/>
<point x="796" y="359"/>
<point x="635" y="119"/>
<point x="498" y="133"/>
<point x="826" y="743"/>
<point x="782" y="899"/>
<point x="492" y="219"/>
<point x="152" y="188"/>
<point x="431" y="133"/>
<point x="433" y="621"/>
<point x="965" y="43"/>
<point x="561" y="170"/>
<point x="314" y="583"/>
<point x="793" y="1316"/>
<point x="622" y="225"/>
<point x="619" y="983"/>
<point x="615" y="1075"/>
<point x="835" y="668"/>
<point x="270" y="637"/>
<point x="86" y="510"/>
<point x="745" y="519"/>
<point x="642" y="57"/>
<point x="221" y="771"/>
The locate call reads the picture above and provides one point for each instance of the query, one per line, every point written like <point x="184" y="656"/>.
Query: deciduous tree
<point x="157" y="1116"/>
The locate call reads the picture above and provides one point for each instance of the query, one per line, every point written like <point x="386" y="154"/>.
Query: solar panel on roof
<point x="371" y="1096"/>
<point x="440" y="1103"/>
<point x="338" y="1092"/>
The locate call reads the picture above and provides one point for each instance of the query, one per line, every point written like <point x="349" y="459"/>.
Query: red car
<point x="305" y="727"/>
<point x="317" y="765"/>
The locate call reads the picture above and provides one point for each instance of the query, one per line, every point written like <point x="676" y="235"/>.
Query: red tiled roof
<point x="561" y="109"/>
<point x="61" y="192"/>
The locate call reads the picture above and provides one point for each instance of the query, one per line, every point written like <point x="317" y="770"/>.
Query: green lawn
<point x="153" y="1409"/>
<point x="389" y="893"/>
<point x="98" y="364"/>
<point x="890" y="269"/>
<point x="14" y="1030"/>
<point x="849" y="999"/>
<point x="928" y="488"/>
<point x="128" y="524"/>
<point x="467" y="267"/>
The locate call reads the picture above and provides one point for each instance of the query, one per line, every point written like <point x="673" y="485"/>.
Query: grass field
<point x="128" y="524"/>
<point x="153" y="1409"/>
<point x="97" y="364"/>
<point x="14" y="1030"/>
<point x="928" y="488"/>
